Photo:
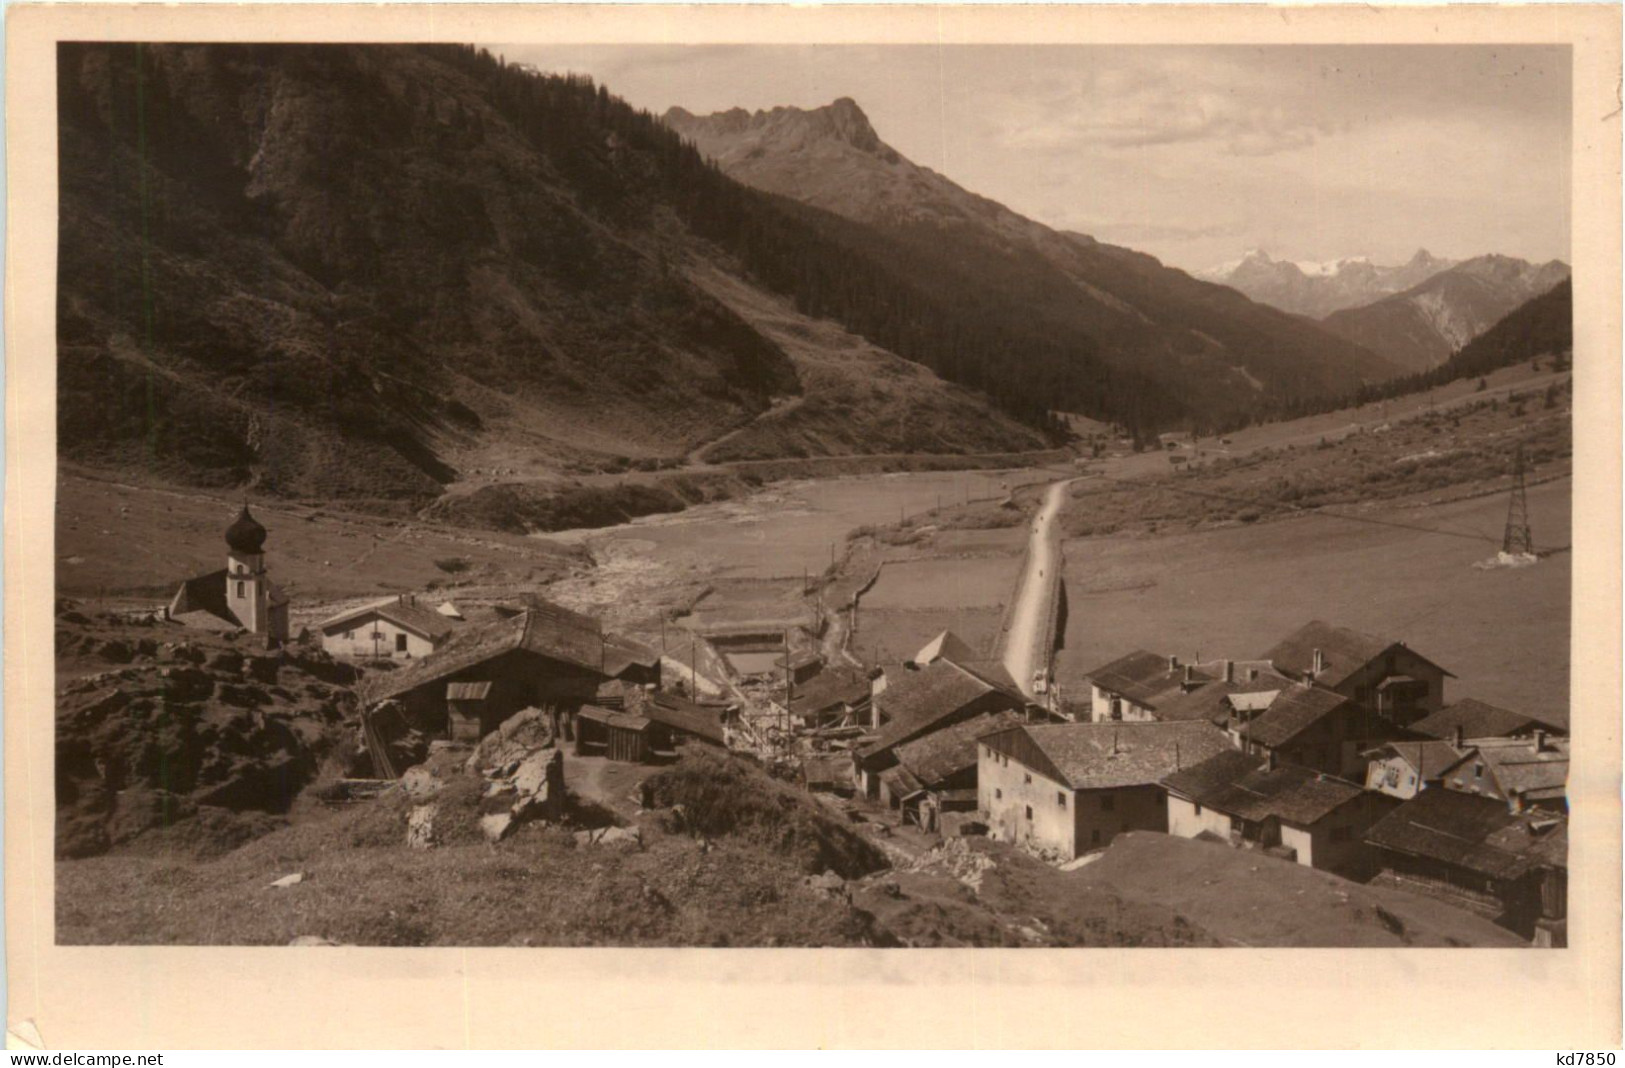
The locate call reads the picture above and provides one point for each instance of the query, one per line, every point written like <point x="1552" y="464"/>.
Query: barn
<point x="546" y="657"/>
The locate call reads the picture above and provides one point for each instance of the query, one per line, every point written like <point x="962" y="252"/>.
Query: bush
<point x="452" y="565"/>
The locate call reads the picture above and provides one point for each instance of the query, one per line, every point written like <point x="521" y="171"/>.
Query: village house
<point x="1211" y="701"/>
<point x="838" y="697"/>
<point x="656" y="729"/>
<point x="1474" y="853"/>
<point x="1378" y="674"/>
<point x="1130" y="688"/>
<point x="1520" y="772"/>
<point x="800" y="667"/>
<point x="1472" y="718"/>
<point x="394" y="628"/>
<point x="1315" y="819"/>
<point x="545" y="657"/>
<point x="1305" y="725"/>
<point x="918" y="703"/>
<point x="1404" y="769"/>
<point x="1066" y="788"/>
<point x="240" y="595"/>
<point x="936" y="774"/>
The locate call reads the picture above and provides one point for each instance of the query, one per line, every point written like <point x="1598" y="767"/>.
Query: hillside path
<point x="1036" y="595"/>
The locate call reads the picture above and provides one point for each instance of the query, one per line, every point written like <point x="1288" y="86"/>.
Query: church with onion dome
<point x="240" y="596"/>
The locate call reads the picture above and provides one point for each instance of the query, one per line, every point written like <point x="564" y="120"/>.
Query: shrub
<point x="452" y="565"/>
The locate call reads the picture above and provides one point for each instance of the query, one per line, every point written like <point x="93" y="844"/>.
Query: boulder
<point x="496" y="825"/>
<point x="517" y="737"/>
<point x="420" y="784"/>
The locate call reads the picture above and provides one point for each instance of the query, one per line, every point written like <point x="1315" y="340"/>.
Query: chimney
<point x="1189" y="675"/>
<point x="1540" y="740"/>
<point x="1229" y="671"/>
<point x="1173" y="664"/>
<point x="1460" y="736"/>
<point x="1319" y="663"/>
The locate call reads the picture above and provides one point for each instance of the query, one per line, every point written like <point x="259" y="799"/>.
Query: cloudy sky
<point x="1195" y="154"/>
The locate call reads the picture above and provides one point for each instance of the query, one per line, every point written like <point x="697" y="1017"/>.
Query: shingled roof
<point x="559" y="636"/>
<point x="835" y="685"/>
<point x="920" y="700"/>
<point x="942" y="754"/>
<point x="1430" y="759"/>
<point x="1524" y="771"/>
<point x="702" y="721"/>
<point x="1210" y="701"/>
<point x="1471" y="832"/>
<point x="1103" y="756"/>
<point x="1233" y="783"/>
<point x="424" y="621"/>
<point x="1143" y="677"/>
<point x="1294" y="710"/>
<point x="1343" y="652"/>
<point x="1477" y="719"/>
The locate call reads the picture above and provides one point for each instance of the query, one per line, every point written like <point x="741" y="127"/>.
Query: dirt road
<point x="1029" y="620"/>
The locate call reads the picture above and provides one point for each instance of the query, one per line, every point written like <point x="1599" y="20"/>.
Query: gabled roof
<point x="941" y="754"/>
<point x="1210" y="701"/>
<point x="1140" y="676"/>
<point x="920" y="700"/>
<point x="1430" y="759"/>
<point x="835" y="685"/>
<point x="204" y="593"/>
<point x="630" y="721"/>
<point x="1476" y="833"/>
<point x="950" y="646"/>
<point x="1103" y="756"/>
<point x="702" y="721"/>
<point x="1343" y="651"/>
<point x="1294" y="710"/>
<point x="1520" y="769"/>
<point x="1233" y="783"/>
<point x="1477" y="719"/>
<point x="423" y="621"/>
<point x="555" y="636"/>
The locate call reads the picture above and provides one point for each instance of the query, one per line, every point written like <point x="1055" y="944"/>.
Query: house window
<point x="349" y="634"/>
<point x="240" y="589"/>
<point x="400" y="643"/>
<point x="1029" y="812"/>
<point x="1197" y="805"/>
<point x="1060" y="798"/>
<point x="1108" y="802"/>
<point x="997" y="793"/>
<point x="1478" y="771"/>
<point x="1117" y="708"/>
<point x="1028" y="779"/>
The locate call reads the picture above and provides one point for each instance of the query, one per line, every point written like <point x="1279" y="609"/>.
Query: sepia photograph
<point x="533" y="491"/>
<point x="763" y="538"/>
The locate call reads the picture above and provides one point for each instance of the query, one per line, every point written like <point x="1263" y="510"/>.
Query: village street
<point x="1030" y="618"/>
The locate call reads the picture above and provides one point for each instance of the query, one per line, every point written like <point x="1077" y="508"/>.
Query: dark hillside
<point x="293" y="263"/>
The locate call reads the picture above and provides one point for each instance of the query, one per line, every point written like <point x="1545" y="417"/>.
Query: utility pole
<point x="1517" y="538"/>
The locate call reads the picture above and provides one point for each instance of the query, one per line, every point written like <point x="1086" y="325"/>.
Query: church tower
<point x="248" y="590"/>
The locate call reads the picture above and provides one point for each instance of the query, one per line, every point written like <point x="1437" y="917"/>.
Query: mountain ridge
<point x="1422" y="326"/>
<point x="1319" y="289"/>
<point x="1210" y="345"/>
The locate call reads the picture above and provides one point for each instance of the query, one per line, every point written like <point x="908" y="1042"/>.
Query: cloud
<point x="1144" y="107"/>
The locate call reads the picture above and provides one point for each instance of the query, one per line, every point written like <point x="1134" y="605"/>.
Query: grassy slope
<point x="1255" y="900"/>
